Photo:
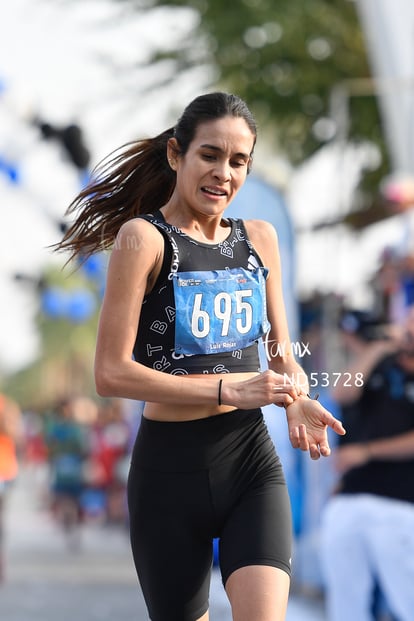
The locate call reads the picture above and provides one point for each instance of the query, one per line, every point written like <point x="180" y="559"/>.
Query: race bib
<point x="220" y="310"/>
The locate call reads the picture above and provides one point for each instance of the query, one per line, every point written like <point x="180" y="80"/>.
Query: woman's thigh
<point x="258" y="530"/>
<point x="172" y="556"/>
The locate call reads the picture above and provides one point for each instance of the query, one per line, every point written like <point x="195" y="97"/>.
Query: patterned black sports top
<point x="178" y="305"/>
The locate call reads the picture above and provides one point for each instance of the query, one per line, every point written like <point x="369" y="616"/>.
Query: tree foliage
<point x="285" y="58"/>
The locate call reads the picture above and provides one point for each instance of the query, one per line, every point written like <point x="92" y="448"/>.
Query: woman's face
<point x="215" y="166"/>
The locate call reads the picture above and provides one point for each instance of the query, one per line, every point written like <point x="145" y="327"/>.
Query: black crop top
<point x="155" y="345"/>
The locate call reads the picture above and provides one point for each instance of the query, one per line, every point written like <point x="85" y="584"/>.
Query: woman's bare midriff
<point x="179" y="412"/>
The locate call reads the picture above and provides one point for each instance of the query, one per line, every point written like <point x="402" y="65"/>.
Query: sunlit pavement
<point x="45" y="580"/>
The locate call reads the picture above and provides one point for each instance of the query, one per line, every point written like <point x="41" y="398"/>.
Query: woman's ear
<point x="172" y="152"/>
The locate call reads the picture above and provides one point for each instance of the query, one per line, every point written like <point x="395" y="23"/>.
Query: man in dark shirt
<point x="367" y="534"/>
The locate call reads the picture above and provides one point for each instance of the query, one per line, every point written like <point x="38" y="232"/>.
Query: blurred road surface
<point x="44" y="580"/>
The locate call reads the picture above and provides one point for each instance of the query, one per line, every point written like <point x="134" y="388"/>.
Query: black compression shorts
<point x="191" y="482"/>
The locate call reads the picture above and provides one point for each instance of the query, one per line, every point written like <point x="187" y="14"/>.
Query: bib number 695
<point x="222" y="309"/>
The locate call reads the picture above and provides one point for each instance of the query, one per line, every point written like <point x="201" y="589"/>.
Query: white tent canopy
<point x="389" y="30"/>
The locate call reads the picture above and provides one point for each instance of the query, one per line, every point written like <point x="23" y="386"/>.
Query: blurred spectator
<point x="393" y="284"/>
<point x="10" y="438"/>
<point x="68" y="445"/>
<point x="35" y="449"/>
<point x="108" y="463"/>
<point x="367" y="534"/>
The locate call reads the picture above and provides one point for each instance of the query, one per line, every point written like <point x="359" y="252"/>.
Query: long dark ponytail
<point x="137" y="178"/>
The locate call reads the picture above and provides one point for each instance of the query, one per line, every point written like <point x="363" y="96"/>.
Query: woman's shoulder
<point x="260" y="230"/>
<point x="137" y="230"/>
<point x="137" y="251"/>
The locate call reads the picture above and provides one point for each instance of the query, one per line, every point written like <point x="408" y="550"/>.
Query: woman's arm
<point x="307" y="419"/>
<point x="277" y="342"/>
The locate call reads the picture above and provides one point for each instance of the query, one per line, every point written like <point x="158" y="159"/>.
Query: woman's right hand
<point x="265" y="388"/>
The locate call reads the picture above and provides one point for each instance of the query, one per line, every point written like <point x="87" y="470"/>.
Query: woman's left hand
<point x="308" y="423"/>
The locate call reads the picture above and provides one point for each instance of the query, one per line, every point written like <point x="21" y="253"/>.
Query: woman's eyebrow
<point x="220" y="150"/>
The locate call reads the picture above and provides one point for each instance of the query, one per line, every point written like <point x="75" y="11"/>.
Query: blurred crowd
<point x="78" y="450"/>
<point x="356" y="526"/>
